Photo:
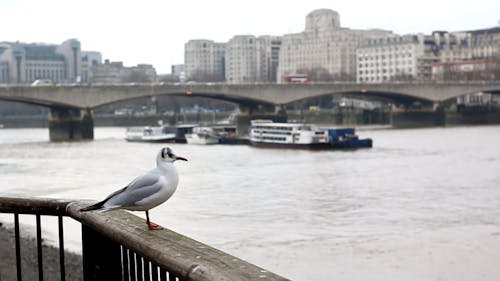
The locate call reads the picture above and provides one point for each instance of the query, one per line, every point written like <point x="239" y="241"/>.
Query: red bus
<point x="296" y="79"/>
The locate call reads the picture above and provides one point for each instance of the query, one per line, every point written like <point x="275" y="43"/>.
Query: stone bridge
<point x="89" y="97"/>
<point x="71" y="105"/>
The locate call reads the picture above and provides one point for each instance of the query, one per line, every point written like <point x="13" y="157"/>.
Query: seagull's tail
<point x="100" y="205"/>
<point x="96" y="206"/>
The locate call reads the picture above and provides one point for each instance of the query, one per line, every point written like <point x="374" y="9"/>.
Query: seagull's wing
<point x="140" y="188"/>
<point x="147" y="179"/>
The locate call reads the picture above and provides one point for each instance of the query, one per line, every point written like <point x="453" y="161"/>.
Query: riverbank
<point x="410" y="119"/>
<point x="29" y="260"/>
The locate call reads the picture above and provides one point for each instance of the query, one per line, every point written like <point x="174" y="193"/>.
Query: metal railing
<point x="117" y="246"/>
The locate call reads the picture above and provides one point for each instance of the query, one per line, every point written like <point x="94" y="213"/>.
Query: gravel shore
<point x="29" y="260"/>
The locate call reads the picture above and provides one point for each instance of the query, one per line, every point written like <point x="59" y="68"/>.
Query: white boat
<point x="150" y="134"/>
<point x="159" y="133"/>
<point x="269" y="134"/>
<point x="203" y="135"/>
<point x="266" y="133"/>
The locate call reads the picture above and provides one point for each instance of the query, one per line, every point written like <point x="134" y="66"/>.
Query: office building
<point x="268" y="48"/>
<point x="23" y="63"/>
<point x="241" y="59"/>
<point x="325" y="50"/>
<point x="204" y="60"/>
<point x="396" y="58"/>
<point x="116" y="72"/>
<point x="251" y="59"/>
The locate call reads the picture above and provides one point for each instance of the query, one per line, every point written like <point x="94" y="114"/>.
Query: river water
<point x="422" y="204"/>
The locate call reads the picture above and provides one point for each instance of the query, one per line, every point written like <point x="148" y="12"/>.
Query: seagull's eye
<point x="170" y="155"/>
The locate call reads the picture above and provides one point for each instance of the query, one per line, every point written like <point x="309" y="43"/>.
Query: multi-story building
<point x="323" y="48"/>
<point x="115" y="72"/>
<point x="440" y="56"/>
<point x="268" y="48"/>
<point x="25" y="63"/>
<point x="106" y="73"/>
<point x="468" y="45"/>
<point x="179" y="71"/>
<point x="408" y="57"/>
<point x="204" y="60"/>
<point x="467" y="70"/>
<point x="91" y="58"/>
<point x="241" y="59"/>
<point x="251" y="59"/>
<point x="468" y="55"/>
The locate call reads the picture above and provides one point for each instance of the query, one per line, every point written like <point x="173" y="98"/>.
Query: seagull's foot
<point x="153" y="226"/>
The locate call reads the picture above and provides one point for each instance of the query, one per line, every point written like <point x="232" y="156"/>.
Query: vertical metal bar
<point x="18" y="246"/>
<point x="126" y="272"/>
<point x="163" y="274"/>
<point x="154" y="271"/>
<point x="62" y="266"/>
<point x="39" y="247"/>
<point x="131" y="257"/>
<point x="101" y="256"/>
<point x="139" y="267"/>
<point x="147" y="272"/>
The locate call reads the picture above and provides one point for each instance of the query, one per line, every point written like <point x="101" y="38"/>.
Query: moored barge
<point x="266" y="133"/>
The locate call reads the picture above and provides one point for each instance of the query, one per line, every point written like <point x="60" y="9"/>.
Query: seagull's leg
<point x="151" y="226"/>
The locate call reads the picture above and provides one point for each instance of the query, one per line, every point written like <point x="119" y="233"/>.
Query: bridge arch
<point x="390" y="97"/>
<point x="92" y="96"/>
<point x="492" y="90"/>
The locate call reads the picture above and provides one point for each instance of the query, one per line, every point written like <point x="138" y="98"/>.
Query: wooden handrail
<point x="181" y="255"/>
<point x="33" y="206"/>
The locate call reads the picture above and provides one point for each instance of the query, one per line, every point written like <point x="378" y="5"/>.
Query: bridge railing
<point x="118" y="246"/>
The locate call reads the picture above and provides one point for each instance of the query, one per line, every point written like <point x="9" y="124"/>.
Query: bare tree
<point x="136" y="77"/>
<point x="206" y="76"/>
<point x="170" y="79"/>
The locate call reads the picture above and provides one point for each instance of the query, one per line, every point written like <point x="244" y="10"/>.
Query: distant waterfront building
<point x="251" y="59"/>
<point x="91" y="58"/>
<point x="27" y="62"/>
<point x="115" y="72"/>
<point x="470" y="70"/>
<point x="268" y="48"/>
<point x="478" y="100"/>
<point x="241" y="59"/>
<point x="179" y="71"/>
<point x="204" y="60"/>
<point x="468" y="45"/>
<point x="323" y="48"/>
<point x="396" y="58"/>
<point x="485" y="43"/>
<point x="106" y="73"/>
<point x="468" y="55"/>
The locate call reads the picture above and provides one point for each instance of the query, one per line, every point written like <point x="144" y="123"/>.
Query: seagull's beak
<point x="180" y="158"/>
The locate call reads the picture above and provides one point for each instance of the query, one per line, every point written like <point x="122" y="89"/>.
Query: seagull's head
<point x="167" y="155"/>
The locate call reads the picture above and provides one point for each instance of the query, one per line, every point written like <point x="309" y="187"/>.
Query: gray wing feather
<point x="145" y="180"/>
<point x="140" y="188"/>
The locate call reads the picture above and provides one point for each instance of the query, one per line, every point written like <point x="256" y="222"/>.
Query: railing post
<point x="101" y="257"/>
<point x="18" y="246"/>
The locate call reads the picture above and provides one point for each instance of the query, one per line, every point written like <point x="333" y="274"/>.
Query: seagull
<point x="146" y="191"/>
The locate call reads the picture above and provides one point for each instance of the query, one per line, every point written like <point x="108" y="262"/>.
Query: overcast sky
<point x="155" y="31"/>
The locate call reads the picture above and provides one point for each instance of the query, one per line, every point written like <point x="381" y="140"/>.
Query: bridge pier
<point x="70" y="124"/>
<point x="418" y="119"/>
